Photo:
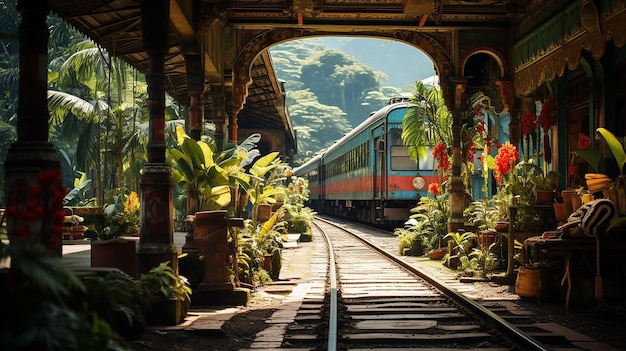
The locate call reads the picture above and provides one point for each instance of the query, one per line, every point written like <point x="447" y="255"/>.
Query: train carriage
<point x="368" y="175"/>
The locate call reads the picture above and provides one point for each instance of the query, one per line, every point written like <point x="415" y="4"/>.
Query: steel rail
<point x="332" y="278"/>
<point x="518" y="336"/>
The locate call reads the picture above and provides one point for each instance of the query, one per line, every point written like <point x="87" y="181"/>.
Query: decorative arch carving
<point x="493" y="53"/>
<point x="248" y="51"/>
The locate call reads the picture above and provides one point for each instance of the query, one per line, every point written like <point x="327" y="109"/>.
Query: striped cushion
<point x="599" y="212"/>
<point x="590" y="216"/>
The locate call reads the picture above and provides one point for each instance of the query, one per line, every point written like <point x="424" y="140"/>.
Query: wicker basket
<point x="528" y="283"/>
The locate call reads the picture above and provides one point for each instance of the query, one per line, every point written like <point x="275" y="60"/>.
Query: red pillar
<point x="157" y="203"/>
<point x="33" y="188"/>
<point x="195" y="87"/>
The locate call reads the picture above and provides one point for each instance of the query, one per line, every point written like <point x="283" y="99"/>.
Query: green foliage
<point x="463" y="242"/>
<point x="196" y="171"/>
<point x="338" y="79"/>
<point x="117" y="298"/>
<point x="410" y="242"/>
<point x="162" y="282"/>
<point x="484" y="258"/>
<point x="427" y="122"/>
<point x="316" y="124"/>
<point x="121" y="214"/>
<point x="430" y="218"/>
<point x="43" y="299"/>
<point x="483" y="214"/>
<point x="617" y="147"/>
<point x="255" y="241"/>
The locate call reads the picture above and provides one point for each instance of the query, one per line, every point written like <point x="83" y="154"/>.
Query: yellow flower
<point x="133" y="202"/>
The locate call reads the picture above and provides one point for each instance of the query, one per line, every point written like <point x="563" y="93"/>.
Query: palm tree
<point x="95" y="104"/>
<point x="427" y="122"/>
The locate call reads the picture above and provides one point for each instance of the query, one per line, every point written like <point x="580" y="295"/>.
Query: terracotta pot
<point x="487" y="237"/>
<point x="562" y="211"/>
<point x="437" y="254"/>
<point x="567" y="195"/>
<point x="277" y="205"/>
<point x="576" y="202"/>
<point x="545" y="197"/>
<point x="115" y="253"/>
<point x="264" y="212"/>
<point x="502" y="227"/>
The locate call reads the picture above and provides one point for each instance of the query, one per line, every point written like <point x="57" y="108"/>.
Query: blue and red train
<point x="367" y="175"/>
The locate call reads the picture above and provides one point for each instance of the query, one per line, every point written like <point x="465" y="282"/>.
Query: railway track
<point x="377" y="303"/>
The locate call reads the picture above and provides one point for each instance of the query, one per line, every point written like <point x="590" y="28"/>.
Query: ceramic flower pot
<point x="545" y="197"/>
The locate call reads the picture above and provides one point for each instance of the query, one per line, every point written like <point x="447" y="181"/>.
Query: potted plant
<point x="618" y="149"/>
<point x="483" y="215"/>
<point x="212" y="180"/>
<point x="545" y="184"/>
<point x="113" y="244"/>
<point x="594" y="159"/>
<point x="170" y="295"/>
<point x="431" y="217"/>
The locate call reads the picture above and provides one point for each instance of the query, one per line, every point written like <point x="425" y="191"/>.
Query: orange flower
<point x="505" y="159"/>
<point x="433" y="188"/>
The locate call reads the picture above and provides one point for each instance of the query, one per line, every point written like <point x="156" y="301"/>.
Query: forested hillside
<point x="328" y="91"/>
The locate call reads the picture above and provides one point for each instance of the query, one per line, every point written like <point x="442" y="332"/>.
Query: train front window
<point x="400" y="160"/>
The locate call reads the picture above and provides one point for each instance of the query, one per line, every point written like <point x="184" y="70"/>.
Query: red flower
<point x="583" y="141"/>
<point x="546" y="117"/>
<point x="433" y="188"/>
<point x="505" y="159"/>
<point x="572" y="169"/>
<point x="528" y="123"/>
<point x="441" y="155"/>
<point x="470" y="151"/>
<point x="480" y="125"/>
<point x="439" y="150"/>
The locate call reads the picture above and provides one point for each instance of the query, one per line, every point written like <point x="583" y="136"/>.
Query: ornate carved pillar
<point x="456" y="98"/>
<point x="33" y="188"/>
<point x="157" y="204"/>
<point x="233" y="125"/>
<point x="218" y="118"/>
<point x="195" y="88"/>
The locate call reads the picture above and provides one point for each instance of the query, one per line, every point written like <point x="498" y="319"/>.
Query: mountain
<point x="386" y="56"/>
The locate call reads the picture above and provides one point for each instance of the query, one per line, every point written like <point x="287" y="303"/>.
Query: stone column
<point x="157" y="203"/>
<point x="195" y="88"/>
<point x="456" y="186"/>
<point x="33" y="188"/>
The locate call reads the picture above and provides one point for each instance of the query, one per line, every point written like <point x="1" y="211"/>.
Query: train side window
<point x="400" y="160"/>
<point x="427" y="163"/>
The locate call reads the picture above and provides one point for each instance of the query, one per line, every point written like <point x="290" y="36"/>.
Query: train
<point x="367" y="175"/>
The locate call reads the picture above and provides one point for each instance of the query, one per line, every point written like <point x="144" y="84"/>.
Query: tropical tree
<point x="317" y="125"/>
<point x="338" y="79"/>
<point x="427" y="126"/>
<point x="95" y="107"/>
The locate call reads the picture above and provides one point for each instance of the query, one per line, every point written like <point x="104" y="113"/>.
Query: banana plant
<point x="262" y="177"/>
<point x="195" y="170"/>
<point x="617" y="147"/>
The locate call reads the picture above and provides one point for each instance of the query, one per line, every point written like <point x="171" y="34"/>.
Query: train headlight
<point x="418" y="183"/>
